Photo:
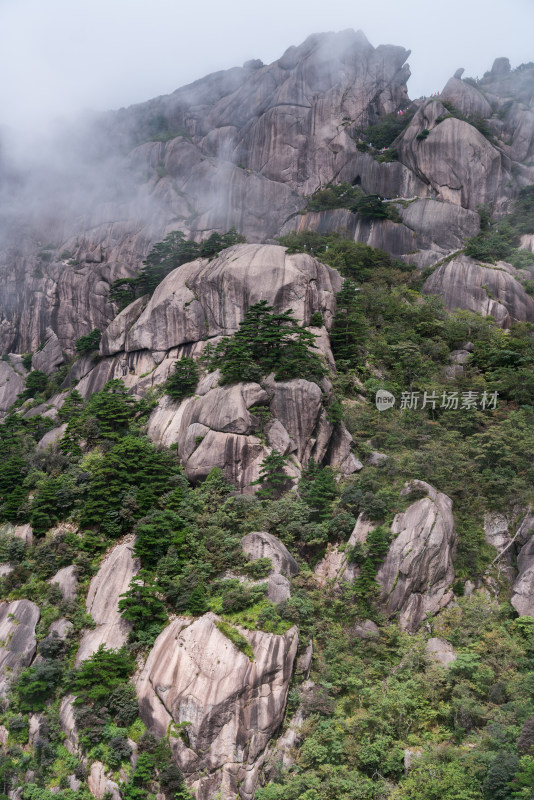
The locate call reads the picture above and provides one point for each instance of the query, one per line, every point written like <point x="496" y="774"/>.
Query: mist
<point x="60" y="58"/>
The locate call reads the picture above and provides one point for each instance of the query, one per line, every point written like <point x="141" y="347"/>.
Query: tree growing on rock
<point x="267" y="342"/>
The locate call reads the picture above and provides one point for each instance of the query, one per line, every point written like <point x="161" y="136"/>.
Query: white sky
<point x="59" y="57"/>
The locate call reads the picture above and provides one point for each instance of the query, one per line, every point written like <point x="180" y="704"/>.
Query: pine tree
<point x="273" y="478"/>
<point x="183" y="381"/>
<point x="141" y="605"/>
<point x="348" y="330"/>
<point x="72" y="407"/>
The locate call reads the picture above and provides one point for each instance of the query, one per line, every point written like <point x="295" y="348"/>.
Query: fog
<point x="61" y="57"/>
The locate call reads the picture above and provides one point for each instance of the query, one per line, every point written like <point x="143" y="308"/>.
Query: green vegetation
<point x="236" y="638"/>
<point x="183" y="381"/>
<point x="384" y="132"/>
<point x="166" y="256"/>
<point x="499" y="241"/>
<point x="267" y="342"/>
<point x="344" y="195"/>
<point x="476" y="120"/>
<point x="86" y="344"/>
<point x="470" y="726"/>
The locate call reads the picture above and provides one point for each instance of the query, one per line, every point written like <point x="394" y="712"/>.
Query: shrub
<point x="259" y="568"/>
<point x="183" y="381"/>
<point x="384" y="132"/>
<point x="236" y="638"/>
<point x="88" y="343"/>
<point x="36" y="383"/>
<point x="166" y="256"/>
<point x="96" y="678"/>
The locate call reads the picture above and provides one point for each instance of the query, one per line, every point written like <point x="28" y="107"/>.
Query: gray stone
<point x="439" y="651"/>
<point x="488" y="290"/>
<point x="523" y="588"/>
<point x="265" y="545"/>
<point x="366" y="630"/>
<point x="52" y="437"/>
<point x="11" y="385"/>
<point x="114" y="337"/>
<point x="304" y="661"/>
<point x="18" y="620"/>
<point x="67" y="580"/>
<point x="186" y="305"/>
<point x="112" y="579"/>
<point x="62" y="627"/>
<point x="417" y="572"/>
<point x="278" y="588"/>
<point x="50" y="357"/>
<point x="234" y="705"/>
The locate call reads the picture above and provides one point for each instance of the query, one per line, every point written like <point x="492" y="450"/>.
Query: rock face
<point x="17" y="634"/>
<point x="229" y="160"/>
<point x="523" y="588"/>
<point x="195" y="674"/>
<point x="232" y="162"/>
<point x="111" y="580"/>
<point x="209" y="298"/>
<point x="486" y="289"/>
<point x="264" y="545"/>
<point x="199" y="302"/>
<point x="457" y="161"/>
<point x="439" y="651"/>
<point x="67" y="580"/>
<point x="334" y="566"/>
<point x="12" y="383"/>
<point x="49" y="357"/>
<point x="52" y="437"/>
<point x="417" y="572"/>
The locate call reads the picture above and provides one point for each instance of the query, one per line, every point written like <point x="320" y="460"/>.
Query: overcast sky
<point x="58" y="57"/>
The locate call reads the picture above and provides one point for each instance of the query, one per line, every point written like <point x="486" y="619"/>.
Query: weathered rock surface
<point x="195" y="674"/>
<point x="99" y="785"/>
<point x="439" y="651"/>
<point x="52" y="437"/>
<point x="334" y="566"/>
<point x="23" y="532"/>
<point x="62" y="627"/>
<point x="18" y="620"/>
<point x="466" y="98"/>
<point x="417" y="572"/>
<point x="49" y="357"/>
<point x="278" y="588"/>
<point x="114" y="337"/>
<point x="366" y="630"/>
<point x="11" y="385"/>
<point x="210" y="298"/>
<point x="265" y="545"/>
<point x="67" y="580"/>
<point x="68" y="723"/>
<point x="523" y="588"/>
<point x="232" y="162"/>
<point x="457" y="161"/>
<point x="111" y="580"/>
<point x="217" y="429"/>
<point x="486" y="289"/>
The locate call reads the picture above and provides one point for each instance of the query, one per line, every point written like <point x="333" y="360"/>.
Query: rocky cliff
<point x="243" y="148"/>
<point x="222" y="585"/>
